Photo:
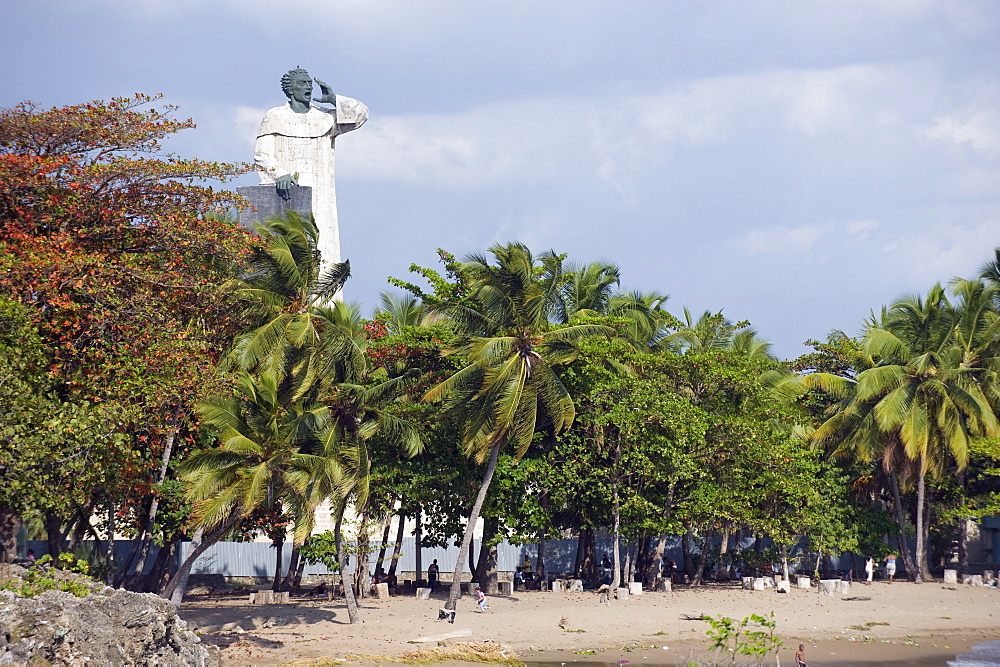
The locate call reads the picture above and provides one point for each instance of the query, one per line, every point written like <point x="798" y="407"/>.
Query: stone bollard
<point x="557" y="586"/>
<point x="665" y="586"/>
<point x="784" y="586"/>
<point x="622" y="594"/>
<point x="747" y="583"/>
<point x="423" y="594"/>
<point x="576" y="586"/>
<point x="843" y="587"/>
<point x="768" y="582"/>
<point x="506" y="587"/>
<point x="966" y="579"/>
<point x="802" y="583"/>
<point x="469" y="587"/>
<point x="827" y="586"/>
<point x="635" y="588"/>
<point x="976" y="580"/>
<point x="951" y="576"/>
<point x="758" y="584"/>
<point x="988" y="577"/>
<point x="382" y="591"/>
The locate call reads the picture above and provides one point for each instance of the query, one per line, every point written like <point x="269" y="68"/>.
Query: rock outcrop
<point x="108" y="627"/>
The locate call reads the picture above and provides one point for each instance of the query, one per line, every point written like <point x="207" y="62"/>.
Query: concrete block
<point x="423" y="594"/>
<point x="827" y="586"/>
<point x="802" y="583"/>
<point x="635" y="588"/>
<point x="382" y="591"/>
<point x="576" y="586"/>
<point x="506" y="587"/>
<point x="558" y="586"/>
<point x="622" y="594"/>
<point x="758" y="584"/>
<point x="843" y="587"/>
<point x="747" y="583"/>
<point x="951" y="576"/>
<point x="665" y="586"/>
<point x="784" y="585"/>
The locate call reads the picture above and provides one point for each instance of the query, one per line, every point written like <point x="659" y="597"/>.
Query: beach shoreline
<point x="900" y="621"/>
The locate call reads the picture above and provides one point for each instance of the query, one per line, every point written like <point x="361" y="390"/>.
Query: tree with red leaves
<point x="115" y="249"/>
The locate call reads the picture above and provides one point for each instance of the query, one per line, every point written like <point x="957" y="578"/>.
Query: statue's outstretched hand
<point x="284" y="185"/>
<point x="327" y="91"/>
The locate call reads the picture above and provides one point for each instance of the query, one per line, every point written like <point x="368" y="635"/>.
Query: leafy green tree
<point x="919" y="402"/>
<point x="512" y="353"/>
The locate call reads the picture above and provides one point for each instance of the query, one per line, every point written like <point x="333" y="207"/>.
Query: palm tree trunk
<point x="904" y="548"/>
<point x="921" y="555"/>
<point x="352" y="602"/>
<point x="463" y="553"/>
<point x="177" y="586"/>
<point x="362" y="576"/>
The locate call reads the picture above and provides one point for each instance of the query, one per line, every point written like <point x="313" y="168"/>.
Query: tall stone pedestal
<point x="266" y="202"/>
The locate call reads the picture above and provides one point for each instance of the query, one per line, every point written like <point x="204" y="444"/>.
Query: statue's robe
<point x="302" y="144"/>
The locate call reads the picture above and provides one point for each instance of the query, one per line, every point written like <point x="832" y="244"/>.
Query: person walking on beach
<point x="869" y="570"/>
<point x="890" y="567"/>
<point x="481" y="599"/>
<point x="800" y="657"/>
<point x="432" y="575"/>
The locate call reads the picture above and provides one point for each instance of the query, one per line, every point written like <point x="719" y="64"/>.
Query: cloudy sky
<point x="792" y="163"/>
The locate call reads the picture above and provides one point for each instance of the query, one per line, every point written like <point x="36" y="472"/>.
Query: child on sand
<point x="481" y="598"/>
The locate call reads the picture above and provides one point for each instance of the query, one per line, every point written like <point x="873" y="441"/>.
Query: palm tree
<point x="401" y="311"/>
<point x="296" y="324"/>
<point x="512" y="353"/>
<point x="920" y="398"/>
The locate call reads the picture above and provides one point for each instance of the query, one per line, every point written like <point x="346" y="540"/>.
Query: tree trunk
<point x="177" y="586"/>
<point x="540" y="562"/>
<point x="686" y="552"/>
<point x="784" y="561"/>
<point x="362" y="574"/>
<point x="578" y="559"/>
<point x="10" y="523"/>
<point x="419" y="574"/>
<point x="288" y="583"/>
<point x="155" y="580"/>
<point x="904" y="547"/>
<point x="349" y="598"/>
<point x="53" y="534"/>
<point x="397" y="551"/>
<point x="700" y="571"/>
<point x="463" y="553"/>
<point x="921" y="551"/>
<point x="139" y="562"/>
<point x="384" y="546"/>
<point x="588" y="570"/>
<point x="487" y="554"/>
<point x="722" y="567"/>
<point x="658" y="553"/>
<point x="630" y="553"/>
<point x="616" y="520"/>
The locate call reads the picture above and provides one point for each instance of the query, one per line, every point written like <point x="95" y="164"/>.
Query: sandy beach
<point x="900" y="622"/>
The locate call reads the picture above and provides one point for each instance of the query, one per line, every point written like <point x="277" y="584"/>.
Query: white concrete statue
<point x="295" y="146"/>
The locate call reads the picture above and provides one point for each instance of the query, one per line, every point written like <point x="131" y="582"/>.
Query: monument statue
<point x="295" y="146"/>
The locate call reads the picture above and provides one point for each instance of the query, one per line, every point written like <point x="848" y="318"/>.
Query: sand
<point x="910" y="623"/>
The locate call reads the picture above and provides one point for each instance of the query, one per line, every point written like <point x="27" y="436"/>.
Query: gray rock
<point x="112" y="627"/>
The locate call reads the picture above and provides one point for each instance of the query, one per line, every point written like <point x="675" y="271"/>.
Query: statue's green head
<point x="289" y="77"/>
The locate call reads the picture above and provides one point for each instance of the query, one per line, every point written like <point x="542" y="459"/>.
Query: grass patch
<point x="485" y="652"/>
<point x="866" y="626"/>
<point x="580" y="630"/>
<point x="586" y="651"/>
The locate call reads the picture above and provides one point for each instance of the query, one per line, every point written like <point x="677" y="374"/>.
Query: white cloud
<point x="980" y="130"/>
<point x="861" y="228"/>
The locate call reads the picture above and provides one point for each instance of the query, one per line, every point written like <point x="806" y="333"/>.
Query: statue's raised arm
<point x="295" y="146"/>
